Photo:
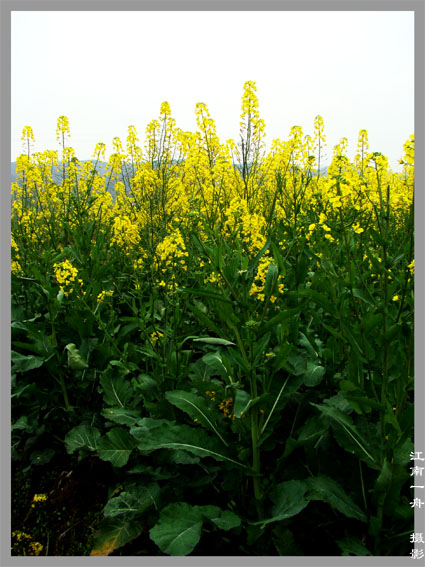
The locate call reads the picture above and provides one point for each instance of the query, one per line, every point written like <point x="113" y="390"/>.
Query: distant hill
<point x="101" y="169"/>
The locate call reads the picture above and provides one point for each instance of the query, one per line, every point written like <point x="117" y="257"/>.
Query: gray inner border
<point x="6" y="7"/>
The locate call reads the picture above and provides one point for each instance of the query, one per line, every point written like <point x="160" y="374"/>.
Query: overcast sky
<point x="107" y="70"/>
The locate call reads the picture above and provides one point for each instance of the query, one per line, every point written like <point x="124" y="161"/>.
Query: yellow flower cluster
<point x="156" y="335"/>
<point x="65" y="274"/>
<point x="125" y="234"/>
<point x="38" y="498"/>
<point x="248" y="227"/>
<point x="30" y="547"/>
<point x="103" y="294"/>
<point x="171" y="251"/>
<point x="178" y="181"/>
<point x="257" y="287"/>
<point x="226" y="404"/>
<point x="15" y="265"/>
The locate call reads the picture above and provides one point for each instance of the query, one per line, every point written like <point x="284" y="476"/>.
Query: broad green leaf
<point x="289" y="500"/>
<point x="183" y="458"/>
<point x="133" y="502"/>
<point x="352" y="545"/>
<point x="122" y="416"/>
<point x="328" y="490"/>
<point x="314" y="374"/>
<point x="178" y="530"/>
<point x="113" y="533"/>
<point x="296" y="363"/>
<point x="75" y="360"/>
<point x="223" y="519"/>
<point x="117" y="390"/>
<point x="116" y="446"/>
<point x="168" y="435"/>
<point x="213" y="341"/>
<point x="214" y="360"/>
<point x="147" y="386"/>
<point x="196" y="407"/>
<point x="21" y="423"/>
<point x="82" y="437"/>
<point x="305" y="342"/>
<point x="42" y="457"/>
<point x="351" y="438"/>
<point x="23" y="363"/>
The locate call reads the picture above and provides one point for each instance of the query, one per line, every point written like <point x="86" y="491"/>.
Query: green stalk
<point x="60" y="380"/>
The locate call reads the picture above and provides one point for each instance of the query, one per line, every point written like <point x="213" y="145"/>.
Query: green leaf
<point x="289" y="500"/>
<point x="113" y="533"/>
<point x="360" y="294"/>
<point x="168" y="435"/>
<point x="42" y="457"/>
<point x="260" y="349"/>
<point x="352" y="545"/>
<point x="346" y="433"/>
<point x="178" y="530"/>
<point x="384" y="480"/>
<point x="271" y="279"/>
<point x="75" y="360"/>
<point x="117" y="390"/>
<point x="213" y="341"/>
<point x="328" y="490"/>
<point x="147" y="386"/>
<point x="224" y="519"/>
<point x="116" y="446"/>
<point x="314" y="374"/>
<point x="122" y="416"/>
<point x="82" y="437"/>
<point x="305" y="342"/>
<point x="196" y="407"/>
<point x="133" y="502"/>
<point x="214" y="360"/>
<point x="23" y="363"/>
<point x="277" y="255"/>
<point x="242" y="402"/>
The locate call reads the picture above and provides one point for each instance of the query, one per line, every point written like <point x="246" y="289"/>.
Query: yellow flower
<point x="396" y="298"/>
<point x="156" y="335"/>
<point x="65" y="274"/>
<point x="357" y="228"/>
<point x="125" y="234"/>
<point x="16" y="268"/>
<point x="39" y="498"/>
<point x="104" y="294"/>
